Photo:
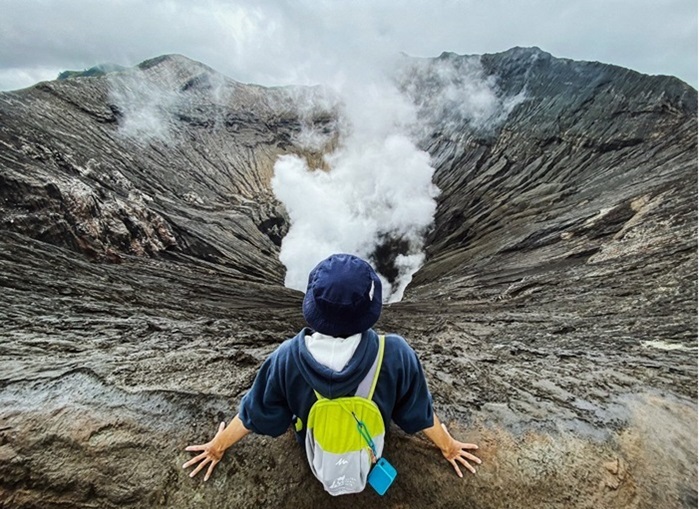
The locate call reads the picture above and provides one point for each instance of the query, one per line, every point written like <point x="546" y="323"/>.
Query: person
<point x="332" y="356"/>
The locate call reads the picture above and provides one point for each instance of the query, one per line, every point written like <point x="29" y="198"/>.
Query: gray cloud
<point x="275" y="42"/>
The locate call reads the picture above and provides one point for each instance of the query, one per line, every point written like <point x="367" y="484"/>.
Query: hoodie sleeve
<point x="413" y="410"/>
<point x="264" y="409"/>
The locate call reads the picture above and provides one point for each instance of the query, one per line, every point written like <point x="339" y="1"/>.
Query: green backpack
<point x="345" y="436"/>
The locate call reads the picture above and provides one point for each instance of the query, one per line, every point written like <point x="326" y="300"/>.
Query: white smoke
<point x="310" y="104"/>
<point x="376" y="189"/>
<point x="146" y="107"/>
<point x="152" y="102"/>
<point x="454" y="92"/>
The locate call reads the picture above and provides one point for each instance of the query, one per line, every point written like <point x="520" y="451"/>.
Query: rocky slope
<point x="555" y="315"/>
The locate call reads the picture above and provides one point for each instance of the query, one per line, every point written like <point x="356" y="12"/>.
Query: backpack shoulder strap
<point x="369" y="382"/>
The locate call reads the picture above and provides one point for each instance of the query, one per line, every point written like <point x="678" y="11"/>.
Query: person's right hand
<point x="455" y="451"/>
<point x="211" y="455"/>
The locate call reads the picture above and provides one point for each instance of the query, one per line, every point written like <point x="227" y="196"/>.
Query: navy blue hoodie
<point x="283" y="388"/>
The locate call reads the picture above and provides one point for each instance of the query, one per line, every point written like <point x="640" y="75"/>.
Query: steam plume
<point x="376" y="198"/>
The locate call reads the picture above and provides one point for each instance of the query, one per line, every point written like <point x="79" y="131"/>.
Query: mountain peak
<point x="171" y="59"/>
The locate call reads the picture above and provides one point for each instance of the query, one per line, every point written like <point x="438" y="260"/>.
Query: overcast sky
<point x="272" y="42"/>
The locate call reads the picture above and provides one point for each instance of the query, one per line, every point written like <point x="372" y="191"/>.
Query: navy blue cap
<point x="343" y="297"/>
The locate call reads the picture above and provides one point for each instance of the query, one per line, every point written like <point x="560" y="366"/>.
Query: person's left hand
<point x="212" y="454"/>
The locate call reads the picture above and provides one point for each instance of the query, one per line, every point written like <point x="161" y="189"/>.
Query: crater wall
<point x="555" y="317"/>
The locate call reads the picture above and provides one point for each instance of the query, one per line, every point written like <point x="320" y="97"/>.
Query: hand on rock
<point x="456" y="452"/>
<point x="212" y="454"/>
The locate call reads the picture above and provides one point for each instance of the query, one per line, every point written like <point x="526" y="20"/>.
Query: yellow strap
<point x="379" y="367"/>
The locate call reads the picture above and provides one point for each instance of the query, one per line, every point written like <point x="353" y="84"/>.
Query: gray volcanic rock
<point x="169" y="157"/>
<point x="555" y="315"/>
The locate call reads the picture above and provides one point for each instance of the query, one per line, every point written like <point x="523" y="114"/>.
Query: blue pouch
<point x="381" y="476"/>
